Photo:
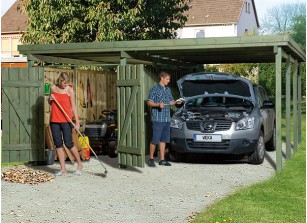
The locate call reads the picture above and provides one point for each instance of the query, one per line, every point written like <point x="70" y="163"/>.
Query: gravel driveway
<point x="160" y="194"/>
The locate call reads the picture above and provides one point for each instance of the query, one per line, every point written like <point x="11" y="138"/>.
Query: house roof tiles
<point x="13" y="21"/>
<point x="213" y="12"/>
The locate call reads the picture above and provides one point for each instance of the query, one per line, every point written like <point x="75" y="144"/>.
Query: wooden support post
<point x="288" y="108"/>
<point x="278" y="59"/>
<point x="299" y="92"/>
<point x="295" y="125"/>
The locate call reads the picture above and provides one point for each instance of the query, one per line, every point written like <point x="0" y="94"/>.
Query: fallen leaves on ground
<point x="192" y="216"/>
<point x="25" y="175"/>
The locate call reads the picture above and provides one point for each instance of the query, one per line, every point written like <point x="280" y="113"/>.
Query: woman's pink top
<point x="56" y="113"/>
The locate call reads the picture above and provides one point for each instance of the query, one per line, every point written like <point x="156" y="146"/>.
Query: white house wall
<point x="209" y="31"/>
<point x="246" y="24"/>
<point x="247" y="21"/>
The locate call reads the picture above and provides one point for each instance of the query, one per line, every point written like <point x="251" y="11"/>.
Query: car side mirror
<point x="268" y="104"/>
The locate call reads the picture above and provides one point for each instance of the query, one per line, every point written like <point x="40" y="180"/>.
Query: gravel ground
<point x="160" y="194"/>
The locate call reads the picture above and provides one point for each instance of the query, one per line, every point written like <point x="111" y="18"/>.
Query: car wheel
<point x="271" y="144"/>
<point x="112" y="149"/>
<point x="175" y="156"/>
<point x="257" y="157"/>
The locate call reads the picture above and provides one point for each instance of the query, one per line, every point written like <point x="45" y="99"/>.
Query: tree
<point x="279" y="19"/>
<point x="64" y="21"/>
<point x="246" y="70"/>
<point x="285" y="19"/>
<point x="298" y="30"/>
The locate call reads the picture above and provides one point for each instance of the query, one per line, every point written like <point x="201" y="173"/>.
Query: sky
<point x="261" y="5"/>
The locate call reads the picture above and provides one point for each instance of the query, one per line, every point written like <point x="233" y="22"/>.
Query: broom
<point x="105" y="169"/>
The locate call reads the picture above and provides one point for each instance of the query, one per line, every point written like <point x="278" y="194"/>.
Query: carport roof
<point x="182" y="52"/>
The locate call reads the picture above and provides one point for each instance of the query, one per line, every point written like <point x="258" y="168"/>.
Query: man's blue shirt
<point x="159" y="94"/>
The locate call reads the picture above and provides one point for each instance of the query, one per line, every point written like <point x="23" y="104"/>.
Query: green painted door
<point x="131" y="124"/>
<point x="22" y="114"/>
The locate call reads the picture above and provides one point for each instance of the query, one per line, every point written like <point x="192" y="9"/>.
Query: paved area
<point x="152" y="195"/>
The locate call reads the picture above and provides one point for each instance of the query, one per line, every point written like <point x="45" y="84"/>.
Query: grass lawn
<point x="282" y="199"/>
<point x="12" y="164"/>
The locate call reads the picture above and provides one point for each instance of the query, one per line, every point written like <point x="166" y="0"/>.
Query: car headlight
<point x="176" y="123"/>
<point x="247" y="122"/>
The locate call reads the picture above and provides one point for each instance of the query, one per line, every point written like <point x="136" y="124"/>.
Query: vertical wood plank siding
<point x="102" y="86"/>
<point x="131" y="138"/>
<point x="22" y="114"/>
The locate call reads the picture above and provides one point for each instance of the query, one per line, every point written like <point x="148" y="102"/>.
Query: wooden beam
<point x="61" y="60"/>
<point x="157" y="59"/>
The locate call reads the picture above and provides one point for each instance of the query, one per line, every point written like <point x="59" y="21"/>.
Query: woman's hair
<point x="63" y="77"/>
<point x="164" y="74"/>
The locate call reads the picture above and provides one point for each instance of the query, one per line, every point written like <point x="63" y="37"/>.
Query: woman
<point x="59" y="123"/>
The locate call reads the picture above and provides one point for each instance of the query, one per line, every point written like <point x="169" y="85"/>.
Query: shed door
<point x="130" y="104"/>
<point x="22" y="114"/>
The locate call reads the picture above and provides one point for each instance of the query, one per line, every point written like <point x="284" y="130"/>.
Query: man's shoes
<point x="164" y="163"/>
<point x="151" y="163"/>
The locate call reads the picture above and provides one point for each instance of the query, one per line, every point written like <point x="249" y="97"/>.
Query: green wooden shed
<point x="137" y="64"/>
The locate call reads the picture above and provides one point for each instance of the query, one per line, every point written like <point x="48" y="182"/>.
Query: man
<point x="160" y="99"/>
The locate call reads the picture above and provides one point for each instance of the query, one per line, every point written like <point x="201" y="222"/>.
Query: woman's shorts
<point x="160" y="132"/>
<point x="59" y="129"/>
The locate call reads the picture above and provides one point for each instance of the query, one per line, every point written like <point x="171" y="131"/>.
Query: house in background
<point x="13" y="24"/>
<point x="206" y="18"/>
<point x="220" y="18"/>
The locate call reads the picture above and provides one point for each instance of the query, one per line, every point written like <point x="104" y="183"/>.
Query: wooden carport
<point x="182" y="53"/>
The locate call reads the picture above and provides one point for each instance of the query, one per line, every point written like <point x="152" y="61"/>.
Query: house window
<point x="247" y="7"/>
<point x="200" y="34"/>
<point x="9" y="45"/>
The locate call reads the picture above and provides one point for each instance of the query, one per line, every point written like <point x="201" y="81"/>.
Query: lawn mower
<point x="102" y="133"/>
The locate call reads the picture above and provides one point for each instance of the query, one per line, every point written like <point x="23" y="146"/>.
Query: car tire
<point x="112" y="149"/>
<point x="257" y="157"/>
<point x="271" y="144"/>
<point x="175" y="156"/>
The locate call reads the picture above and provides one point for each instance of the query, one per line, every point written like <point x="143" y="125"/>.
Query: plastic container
<point x="84" y="142"/>
<point x="49" y="156"/>
<point x="47" y="89"/>
<point x="87" y="152"/>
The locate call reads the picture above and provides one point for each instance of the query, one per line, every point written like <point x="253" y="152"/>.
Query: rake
<point x="105" y="169"/>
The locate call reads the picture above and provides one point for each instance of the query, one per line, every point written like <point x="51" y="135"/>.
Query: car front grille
<point x="221" y="125"/>
<point x="208" y="145"/>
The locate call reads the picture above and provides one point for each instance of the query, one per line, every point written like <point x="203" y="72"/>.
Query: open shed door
<point x="131" y="124"/>
<point x="22" y="114"/>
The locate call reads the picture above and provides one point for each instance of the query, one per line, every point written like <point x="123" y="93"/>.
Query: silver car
<point x="222" y="114"/>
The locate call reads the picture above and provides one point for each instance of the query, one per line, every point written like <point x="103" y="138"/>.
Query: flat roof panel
<point x="245" y="49"/>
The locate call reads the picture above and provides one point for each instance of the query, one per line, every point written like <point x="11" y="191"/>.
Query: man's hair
<point x="164" y="74"/>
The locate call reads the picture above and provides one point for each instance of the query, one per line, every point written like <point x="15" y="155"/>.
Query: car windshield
<point x="203" y="102"/>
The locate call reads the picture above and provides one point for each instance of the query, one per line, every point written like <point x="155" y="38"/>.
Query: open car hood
<point x="215" y="84"/>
